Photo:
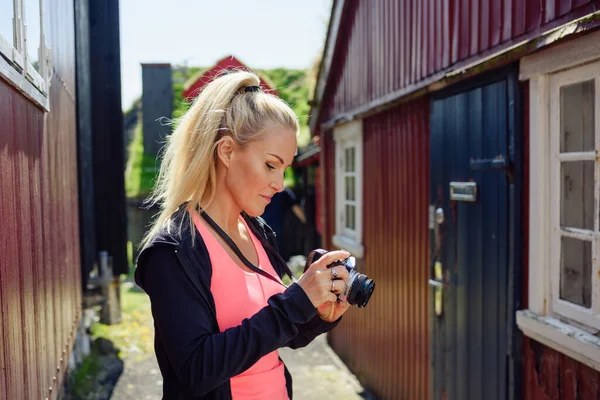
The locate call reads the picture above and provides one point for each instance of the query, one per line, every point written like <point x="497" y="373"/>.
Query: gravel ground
<point x="317" y="372"/>
<point x="141" y="380"/>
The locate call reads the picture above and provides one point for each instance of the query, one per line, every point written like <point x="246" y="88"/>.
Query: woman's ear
<point x="225" y="149"/>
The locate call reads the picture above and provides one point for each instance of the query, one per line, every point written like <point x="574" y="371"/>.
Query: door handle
<point x="436" y="283"/>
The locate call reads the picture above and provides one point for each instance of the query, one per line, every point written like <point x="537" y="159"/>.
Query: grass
<point x="134" y="336"/>
<point x="141" y="170"/>
<point x="84" y="378"/>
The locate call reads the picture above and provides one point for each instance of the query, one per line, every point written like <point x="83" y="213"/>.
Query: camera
<point x="359" y="287"/>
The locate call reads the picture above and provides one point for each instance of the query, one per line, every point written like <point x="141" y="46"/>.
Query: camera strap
<point x="237" y="251"/>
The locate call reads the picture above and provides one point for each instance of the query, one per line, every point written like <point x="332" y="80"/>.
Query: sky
<point x="261" y="33"/>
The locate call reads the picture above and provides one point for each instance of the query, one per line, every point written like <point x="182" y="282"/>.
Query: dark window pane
<point x="350" y="188"/>
<point x="350" y="217"/>
<point x="576" y="271"/>
<point x="577" y="195"/>
<point x="349" y="162"/>
<point x="352" y="224"/>
<point x="577" y="117"/>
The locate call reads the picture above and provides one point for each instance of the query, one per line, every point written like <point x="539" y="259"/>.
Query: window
<point x="574" y="193"/>
<point x="24" y="57"/>
<point x="348" y="175"/>
<point x="564" y="195"/>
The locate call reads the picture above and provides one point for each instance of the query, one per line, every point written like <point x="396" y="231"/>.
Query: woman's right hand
<point x="317" y="279"/>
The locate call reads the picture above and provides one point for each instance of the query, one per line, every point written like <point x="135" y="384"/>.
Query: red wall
<point x="387" y="344"/>
<point x="226" y="63"/>
<point x="40" y="289"/>
<point x="386" y="46"/>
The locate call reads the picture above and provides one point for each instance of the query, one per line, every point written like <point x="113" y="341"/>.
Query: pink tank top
<point x="238" y="295"/>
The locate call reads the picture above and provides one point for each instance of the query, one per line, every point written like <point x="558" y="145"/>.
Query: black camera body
<point x="359" y="287"/>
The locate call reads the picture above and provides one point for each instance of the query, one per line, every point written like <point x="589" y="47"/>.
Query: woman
<point x="210" y="266"/>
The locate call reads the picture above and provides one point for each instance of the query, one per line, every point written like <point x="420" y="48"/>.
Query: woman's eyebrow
<point x="276" y="156"/>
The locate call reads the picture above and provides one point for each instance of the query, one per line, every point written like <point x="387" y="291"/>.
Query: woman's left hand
<point x="331" y="311"/>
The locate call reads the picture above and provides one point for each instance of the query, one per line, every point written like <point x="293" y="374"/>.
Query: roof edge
<point x="323" y="75"/>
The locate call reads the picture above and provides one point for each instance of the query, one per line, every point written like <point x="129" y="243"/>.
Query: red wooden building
<point x="195" y="84"/>
<point x="459" y="143"/>
<point x="50" y="234"/>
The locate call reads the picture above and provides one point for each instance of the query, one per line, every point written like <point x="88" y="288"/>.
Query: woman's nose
<point x="278" y="184"/>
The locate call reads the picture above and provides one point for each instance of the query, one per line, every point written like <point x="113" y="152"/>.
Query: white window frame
<point x="588" y="317"/>
<point x="346" y="136"/>
<point x="563" y="326"/>
<point x="14" y="63"/>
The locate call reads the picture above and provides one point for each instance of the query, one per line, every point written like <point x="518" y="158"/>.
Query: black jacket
<point x="195" y="358"/>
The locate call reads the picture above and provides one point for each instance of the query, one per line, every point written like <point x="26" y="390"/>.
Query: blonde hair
<point x="224" y="108"/>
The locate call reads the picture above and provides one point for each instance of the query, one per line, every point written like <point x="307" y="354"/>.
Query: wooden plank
<point x="22" y="114"/>
<point x="463" y="262"/>
<point x="476" y="253"/>
<point x="9" y="263"/>
<point x="449" y="244"/>
<point x="560" y="57"/>
<point x="44" y="378"/>
<point x="503" y="236"/>
<point x="488" y="230"/>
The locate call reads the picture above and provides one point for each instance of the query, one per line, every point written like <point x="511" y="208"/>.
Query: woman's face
<point x="255" y="171"/>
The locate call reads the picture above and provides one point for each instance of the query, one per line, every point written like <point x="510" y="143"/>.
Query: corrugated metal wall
<point x="387" y="45"/>
<point x="387" y="343"/>
<point x="40" y="290"/>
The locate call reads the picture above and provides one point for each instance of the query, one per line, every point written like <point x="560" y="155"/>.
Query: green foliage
<point x="293" y="87"/>
<point x="180" y="106"/>
<point x="141" y="169"/>
<point x="84" y="378"/>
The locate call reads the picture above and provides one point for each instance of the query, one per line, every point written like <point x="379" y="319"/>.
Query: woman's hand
<point x="330" y="311"/>
<point x="321" y="284"/>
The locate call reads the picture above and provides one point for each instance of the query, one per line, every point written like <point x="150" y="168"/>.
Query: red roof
<point x="191" y="90"/>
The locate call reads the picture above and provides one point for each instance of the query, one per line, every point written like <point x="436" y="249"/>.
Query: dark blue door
<point x="470" y="218"/>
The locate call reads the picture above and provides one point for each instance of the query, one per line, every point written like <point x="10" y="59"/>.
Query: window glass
<point x="577" y="195"/>
<point x="576" y="271"/>
<point x="350" y="217"/>
<point x="350" y="188"/>
<point x="577" y="117"/>
<point x="32" y="21"/>
<point x="6" y="21"/>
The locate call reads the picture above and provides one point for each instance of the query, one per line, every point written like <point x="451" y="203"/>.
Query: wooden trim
<point x="349" y="135"/>
<point x="343" y="242"/>
<point x="323" y="75"/>
<point x="23" y="85"/>
<point x="564" y="338"/>
<point x="563" y="56"/>
<point x="6" y="47"/>
<point x="581" y="73"/>
<point x="539" y="204"/>
<point x="18" y="71"/>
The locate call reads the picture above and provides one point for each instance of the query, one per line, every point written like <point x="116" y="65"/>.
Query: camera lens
<point x="360" y="291"/>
